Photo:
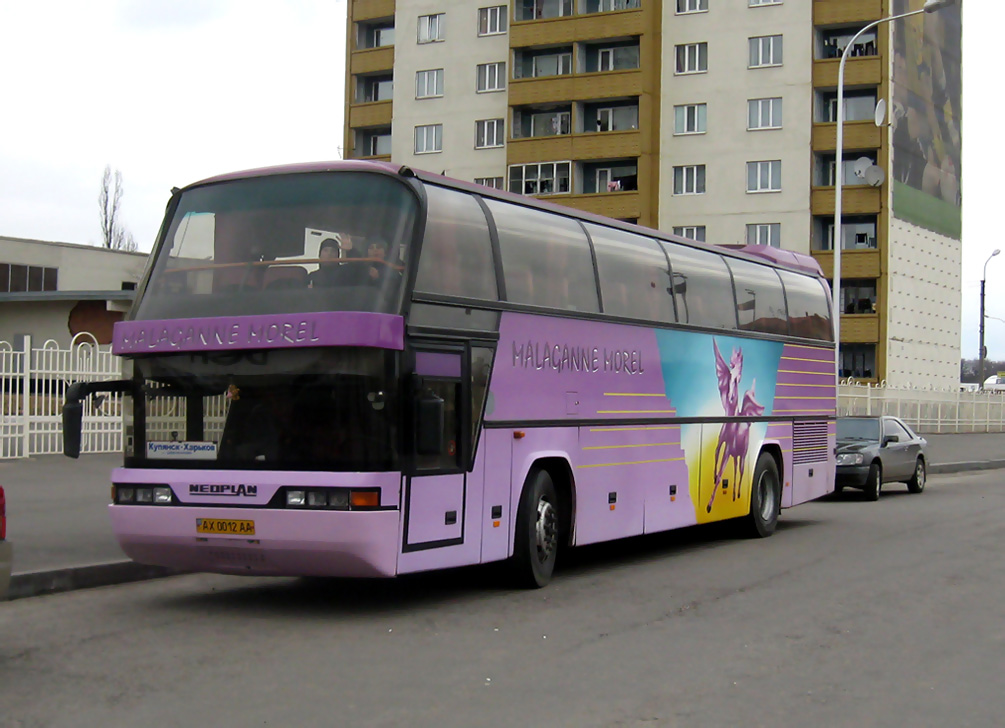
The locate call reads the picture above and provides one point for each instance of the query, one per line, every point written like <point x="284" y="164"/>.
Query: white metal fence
<point x="33" y="385"/>
<point x="927" y="411"/>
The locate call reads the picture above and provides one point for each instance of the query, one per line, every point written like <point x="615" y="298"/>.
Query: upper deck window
<point x="283" y="244"/>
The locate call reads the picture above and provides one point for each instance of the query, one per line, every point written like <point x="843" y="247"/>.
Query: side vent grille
<point x="809" y="442"/>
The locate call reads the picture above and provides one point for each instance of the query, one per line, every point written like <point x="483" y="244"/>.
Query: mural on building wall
<point x="926" y="117"/>
<point x="94" y="318"/>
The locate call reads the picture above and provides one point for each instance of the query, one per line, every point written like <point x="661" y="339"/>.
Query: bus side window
<point x="556" y="252"/>
<point x="633" y="275"/>
<point x="809" y="313"/>
<point x="760" y="300"/>
<point x="456" y="256"/>
<point x="705" y="292"/>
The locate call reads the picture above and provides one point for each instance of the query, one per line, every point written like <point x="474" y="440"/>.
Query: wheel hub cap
<point x="547" y="529"/>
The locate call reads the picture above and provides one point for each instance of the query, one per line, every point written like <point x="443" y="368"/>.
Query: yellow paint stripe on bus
<point x="616" y="447"/>
<point x="636" y="462"/>
<point x="804" y="398"/>
<point x="630" y="394"/>
<point x="795" y="358"/>
<point x="796" y="384"/>
<point x="634" y="429"/>
<point x="812" y="374"/>
<point x="635" y="412"/>
<point x="809" y="411"/>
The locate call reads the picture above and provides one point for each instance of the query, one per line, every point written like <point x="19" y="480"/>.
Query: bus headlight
<point x="162" y="495"/>
<point x="296" y="498"/>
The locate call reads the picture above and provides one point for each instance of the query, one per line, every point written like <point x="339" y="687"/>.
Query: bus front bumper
<point x="284" y="543"/>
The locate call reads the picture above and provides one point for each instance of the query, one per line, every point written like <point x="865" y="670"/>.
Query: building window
<point x="429" y="139"/>
<point x="372" y="142"/>
<point x="606" y="6"/>
<point x="492" y="21"/>
<point x="758" y="3"/>
<point x="689" y="119"/>
<point x="858" y="106"/>
<point x="495" y="183"/>
<point x="430" y="28"/>
<point x="375" y="35"/>
<point x="489" y="133"/>
<point x="691" y="6"/>
<point x="551" y="64"/>
<point x="429" y="84"/>
<point x="491" y="77"/>
<point x="692" y="232"/>
<point x="547" y="178"/>
<point x="858" y="296"/>
<point x="858" y="232"/>
<point x="858" y="360"/>
<point x="769" y="233"/>
<point x="689" y="180"/>
<point x="16" y="278"/>
<point x="764" y="176"/>
<point x="537" y="9"/>
<point x="692" y="58"/>
<point x="605" y="60"/>
<point x="765" y="51"/>
<point x="764" y="114"/>
<point x="374" y="88"/>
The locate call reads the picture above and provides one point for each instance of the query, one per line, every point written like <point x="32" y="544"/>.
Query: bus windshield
<point x="325" y="408"/>
<point x="322" y="241"/>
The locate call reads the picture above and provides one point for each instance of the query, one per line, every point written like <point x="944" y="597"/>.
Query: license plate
<point x="224" y="527"/>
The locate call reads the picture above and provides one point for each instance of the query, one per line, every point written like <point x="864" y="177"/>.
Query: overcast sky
<point x="172" y="91"/>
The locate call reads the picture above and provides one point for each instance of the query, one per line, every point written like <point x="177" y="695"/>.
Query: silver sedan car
<point x="872" y="451"/>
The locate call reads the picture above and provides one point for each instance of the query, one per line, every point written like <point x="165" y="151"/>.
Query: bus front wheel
<point x="536" y="545"/>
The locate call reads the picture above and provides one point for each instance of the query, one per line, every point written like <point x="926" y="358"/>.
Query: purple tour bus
<point x="360" y="369"/>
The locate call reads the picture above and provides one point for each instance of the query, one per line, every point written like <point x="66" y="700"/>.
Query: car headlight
<point x="850" y="458"/>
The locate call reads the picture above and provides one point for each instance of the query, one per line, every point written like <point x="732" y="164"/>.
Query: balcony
<point x="595" y="145"/>
<point x="861" y="71"/>
<point x="856" y="200"/>
<point x="614" y="84"/>
<point x="373" y="114"/>
<point x="372" y="9"/>
<point x="373" y="60"/>
<point x="567" y="30"/>
<point x="857" y="135"/>
<point x="836" y="12"/>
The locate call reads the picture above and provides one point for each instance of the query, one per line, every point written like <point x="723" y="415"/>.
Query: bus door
<point x="442" y="488"/>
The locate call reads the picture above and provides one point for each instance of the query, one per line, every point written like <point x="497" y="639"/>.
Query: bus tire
<point x="765" y="498"/>
<point x="535" y="547"/>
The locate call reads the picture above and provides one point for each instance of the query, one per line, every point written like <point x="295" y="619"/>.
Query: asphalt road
<point x="853" y="613"/>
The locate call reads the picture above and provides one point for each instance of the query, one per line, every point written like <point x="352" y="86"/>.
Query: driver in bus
<point x="331" y="270"/>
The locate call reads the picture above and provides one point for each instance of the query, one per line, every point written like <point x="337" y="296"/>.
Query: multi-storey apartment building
<point x="713" y="119"/>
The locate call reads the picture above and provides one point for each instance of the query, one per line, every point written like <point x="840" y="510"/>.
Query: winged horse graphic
<point x="734" y="437"/>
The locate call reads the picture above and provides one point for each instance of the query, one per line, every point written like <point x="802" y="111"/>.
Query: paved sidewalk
<point x="58" y="517"/>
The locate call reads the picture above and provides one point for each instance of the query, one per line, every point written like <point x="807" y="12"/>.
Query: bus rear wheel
<point x="537" y="527"/>
<point x="765" y="498"/>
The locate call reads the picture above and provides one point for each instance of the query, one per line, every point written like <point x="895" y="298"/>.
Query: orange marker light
<point x="364" y="499"/>
<point x="495" y="524"/>
<point x="519" y="434"/>
<point x="612" y="506"/>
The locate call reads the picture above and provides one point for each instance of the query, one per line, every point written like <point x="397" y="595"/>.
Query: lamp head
<point x="995" y="252"/>
<point x="932" y="5"/>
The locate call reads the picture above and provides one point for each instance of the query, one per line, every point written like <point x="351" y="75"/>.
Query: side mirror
<point x="890" y="439"/>
<point x="73" y="410"/>
<point x="73" y="417"/>
<point x="429" y="424"/>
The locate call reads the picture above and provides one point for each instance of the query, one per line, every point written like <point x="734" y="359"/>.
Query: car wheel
<point x="917" y="483"/>
<point x="537" y="528"/>
<point x="874" y="483"/>
<point x="765" y="497"/>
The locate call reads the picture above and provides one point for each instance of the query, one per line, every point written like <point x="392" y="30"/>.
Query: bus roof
<point x="782" y="258"/>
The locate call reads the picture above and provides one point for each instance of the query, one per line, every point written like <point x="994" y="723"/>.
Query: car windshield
<point x="858" y="429"/>
<point x="283" y="244"/>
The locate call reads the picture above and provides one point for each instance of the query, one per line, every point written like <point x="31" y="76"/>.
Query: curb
<point x="942" y="468"/>
<point x="53" y="581"/>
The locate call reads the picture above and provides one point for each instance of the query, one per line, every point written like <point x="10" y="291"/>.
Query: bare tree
<point x="113" y="235"/>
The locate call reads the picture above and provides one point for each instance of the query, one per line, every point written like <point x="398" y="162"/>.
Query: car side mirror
<point x="73" y="418"/>
<point x="889" y="439"/>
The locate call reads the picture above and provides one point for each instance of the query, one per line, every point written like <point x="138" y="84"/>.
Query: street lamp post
<point x="984" y="275"/>
<point x="930" y="6"/>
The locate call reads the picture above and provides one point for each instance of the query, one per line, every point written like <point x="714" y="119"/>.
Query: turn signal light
<point x="364" y="498"/>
